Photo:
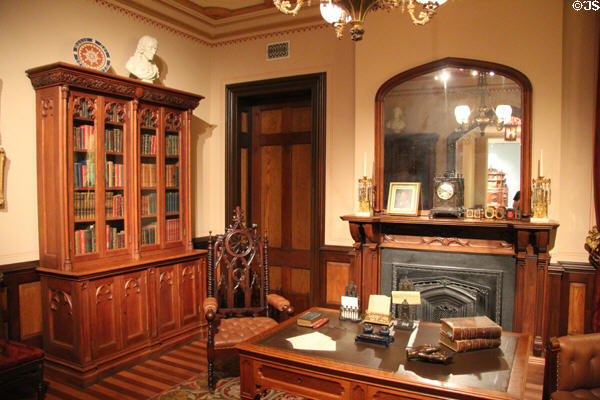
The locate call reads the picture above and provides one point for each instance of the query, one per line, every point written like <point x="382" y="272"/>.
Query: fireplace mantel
<point x="529" y="242"/>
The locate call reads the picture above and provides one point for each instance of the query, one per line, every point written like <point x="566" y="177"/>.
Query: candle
<point x="541" y="163"/>
<point x="365" y="165"/>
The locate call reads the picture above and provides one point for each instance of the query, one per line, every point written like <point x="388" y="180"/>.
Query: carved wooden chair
<point x="239" y="305"/>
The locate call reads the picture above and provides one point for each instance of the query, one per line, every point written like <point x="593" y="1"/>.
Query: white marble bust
<point x="396" y="123"/>
<point x="140" y="65"/>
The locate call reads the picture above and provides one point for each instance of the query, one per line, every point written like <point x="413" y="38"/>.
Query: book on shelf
<point x="310" y="319"/>
<point x="461" y="346"/>
<point x="478" y="327"/>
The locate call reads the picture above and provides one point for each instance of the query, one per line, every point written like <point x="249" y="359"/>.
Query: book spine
<point x="476" y="333"/>
<point x="476" y="344"/>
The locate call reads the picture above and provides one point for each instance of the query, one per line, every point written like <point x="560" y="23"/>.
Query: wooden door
<point x="282" y="192"/>
<point x="105" y="321"/>
<point x="189" y="293"/>
<point x="134" y="308"/>
<point x="167" y="303"/>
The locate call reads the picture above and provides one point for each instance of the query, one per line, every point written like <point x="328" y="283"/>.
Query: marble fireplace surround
<point x="523" y="246"/>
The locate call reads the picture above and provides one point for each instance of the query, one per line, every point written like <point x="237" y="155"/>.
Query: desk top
<point x="489" y="369"/>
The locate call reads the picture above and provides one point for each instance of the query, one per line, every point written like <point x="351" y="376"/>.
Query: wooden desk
<point x="358" y="371"/>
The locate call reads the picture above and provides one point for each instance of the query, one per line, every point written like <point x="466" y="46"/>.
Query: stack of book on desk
<point x="470" y="333"/>
<point x="310" y="319"/>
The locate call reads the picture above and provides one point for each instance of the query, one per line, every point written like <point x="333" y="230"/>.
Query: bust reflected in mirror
<point x="459" y="117"/>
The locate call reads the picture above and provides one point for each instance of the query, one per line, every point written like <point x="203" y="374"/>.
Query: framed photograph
<point x="404" y="198"/>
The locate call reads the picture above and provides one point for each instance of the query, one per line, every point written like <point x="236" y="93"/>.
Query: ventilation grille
<point x="278" y="50"/>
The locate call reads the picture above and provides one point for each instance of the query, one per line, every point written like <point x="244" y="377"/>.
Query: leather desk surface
<point x="501" y="370"/>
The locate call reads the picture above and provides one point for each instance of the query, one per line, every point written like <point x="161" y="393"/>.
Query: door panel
<point x="189" y="293"/>
<point x="168" y="304"/>
<point x="301" y="193"/>
<point x="283" y="171"/>
<point x="105" y="321"/>
<point x="135" y="308"/>
<point x="271" y="192"/>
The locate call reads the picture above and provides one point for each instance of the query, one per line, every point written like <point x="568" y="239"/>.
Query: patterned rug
<point x="196" y="388"/>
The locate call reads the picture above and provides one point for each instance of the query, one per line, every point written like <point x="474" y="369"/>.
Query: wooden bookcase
<point x="120" y="279"/>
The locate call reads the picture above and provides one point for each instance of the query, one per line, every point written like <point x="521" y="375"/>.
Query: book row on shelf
<point x="113" y="174"/>
<point x="84" y="205"/>
<point x="172" y="145"/>
<point x="83" y="137"/>
<point x="148" y="175"/>
<point x="85" y="240"/>
<point x="172" y="202"/>
<point x="148" y="206"/>
<point x="149" y="233"/>
<point x="172" y="230"/>
<point x="115" y="113"/>
<point x="114" y="204"/>
<point x="82" y="110"/>
<point x="113" y="140"/>
<point x="84" y="172"/>
<point x="148" y="144"/>
<point x="115" y="238"/>
<point x="148" y="119"/>
<point x="172" y="175"/>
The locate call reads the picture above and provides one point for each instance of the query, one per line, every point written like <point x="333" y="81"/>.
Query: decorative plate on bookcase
<point x="90" y="53"/>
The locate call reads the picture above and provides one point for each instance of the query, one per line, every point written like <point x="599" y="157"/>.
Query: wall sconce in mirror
<point x="484" y="114"/>
<point x="512" y="130"/>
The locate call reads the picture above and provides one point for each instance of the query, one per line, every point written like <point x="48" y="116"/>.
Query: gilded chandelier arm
<point x="424" y="16"/>
<point x="285" y="6"/>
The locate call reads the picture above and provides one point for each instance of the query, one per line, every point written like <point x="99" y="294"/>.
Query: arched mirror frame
<point x="449" y="62"/>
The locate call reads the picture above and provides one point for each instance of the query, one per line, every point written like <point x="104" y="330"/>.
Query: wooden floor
<point x="142" y="381"/>
<point x="154" y="376"/>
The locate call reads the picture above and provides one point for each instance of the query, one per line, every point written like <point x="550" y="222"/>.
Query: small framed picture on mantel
<point x="404" y="198"/>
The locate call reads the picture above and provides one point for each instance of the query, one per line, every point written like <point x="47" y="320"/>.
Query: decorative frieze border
<point x="161" y="25"/>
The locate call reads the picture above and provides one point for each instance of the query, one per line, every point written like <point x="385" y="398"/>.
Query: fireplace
<point x="453" y="284"/>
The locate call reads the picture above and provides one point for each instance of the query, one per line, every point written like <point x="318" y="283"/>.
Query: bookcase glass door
<point x="115" y="129"/>
<point x="173" y="196"/>
<point x="84" y="174"/>
<point x="148" y="146"/>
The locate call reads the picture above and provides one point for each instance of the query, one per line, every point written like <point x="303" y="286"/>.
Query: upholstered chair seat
<point x="573" y="368"/>
<point x="231" y="331"/>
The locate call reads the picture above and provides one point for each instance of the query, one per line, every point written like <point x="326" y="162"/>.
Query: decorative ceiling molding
<point x="187" y="19"/>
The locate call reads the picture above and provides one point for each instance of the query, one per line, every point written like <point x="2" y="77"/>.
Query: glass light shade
<point x="333" y="13"/>
<point x="439" y="2"/>
<point x="462" y="114"/>
<point x="504" y="112"/>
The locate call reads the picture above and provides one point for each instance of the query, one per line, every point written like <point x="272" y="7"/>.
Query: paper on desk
<point x="379" y="304"/>
<point x="348" y="301"/>
<point x="313" y="341"/>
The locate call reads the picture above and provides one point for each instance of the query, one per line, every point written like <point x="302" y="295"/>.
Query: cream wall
<point x="526" y="35"/>
<point x="247" y="62"/>
<point x="39" y="32"/>
<point x="555" y="48"/>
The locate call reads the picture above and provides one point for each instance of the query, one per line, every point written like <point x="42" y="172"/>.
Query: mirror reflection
<point x="462" y="120"/>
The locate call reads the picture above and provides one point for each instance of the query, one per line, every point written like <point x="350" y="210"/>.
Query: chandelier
<point x="341" y="12"/>
<point x="483" y="115"/>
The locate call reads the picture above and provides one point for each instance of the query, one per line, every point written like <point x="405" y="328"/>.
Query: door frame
<point x="239" y="92"/>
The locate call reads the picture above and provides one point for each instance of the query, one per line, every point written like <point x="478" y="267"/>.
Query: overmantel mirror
<point x="456" y="117"/>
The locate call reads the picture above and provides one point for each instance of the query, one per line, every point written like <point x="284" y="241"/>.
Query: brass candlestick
<point x="365" y="196"/>
<point x="540" y="198"/>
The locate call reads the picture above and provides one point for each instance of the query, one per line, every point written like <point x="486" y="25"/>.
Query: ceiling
<point x="215" y="21"/>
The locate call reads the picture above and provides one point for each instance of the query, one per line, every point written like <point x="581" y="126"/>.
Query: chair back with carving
<point x="238" y="274"/>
